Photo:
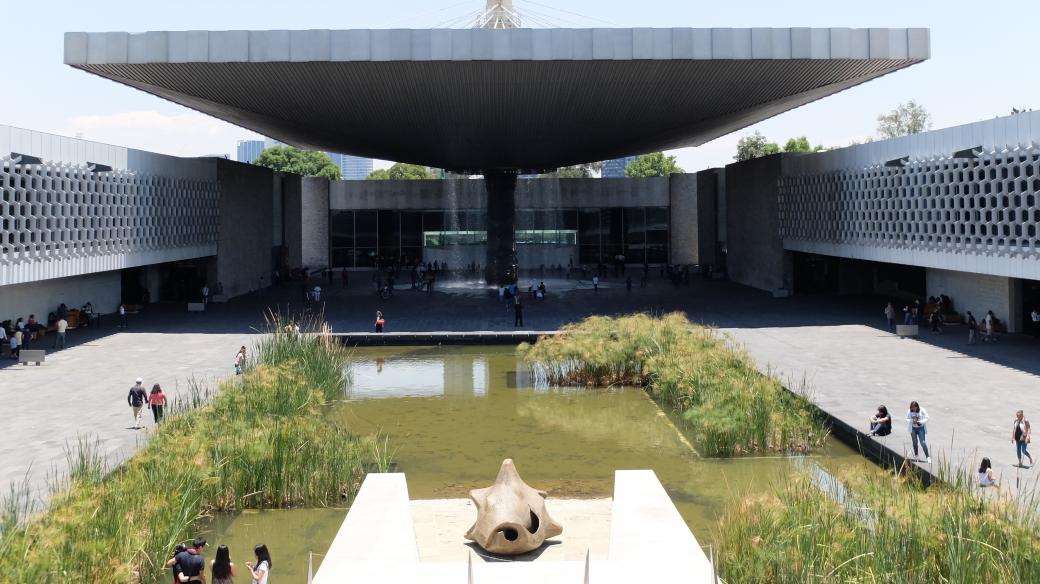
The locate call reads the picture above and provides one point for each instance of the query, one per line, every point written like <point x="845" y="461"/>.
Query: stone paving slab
<point x="81" y="392"/>
<point x="848" y="370"/>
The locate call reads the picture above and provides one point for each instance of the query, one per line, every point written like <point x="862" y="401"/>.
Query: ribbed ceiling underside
<point x="497" y="114"/>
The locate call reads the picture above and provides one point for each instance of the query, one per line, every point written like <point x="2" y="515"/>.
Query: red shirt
<point x="157" y="399"/>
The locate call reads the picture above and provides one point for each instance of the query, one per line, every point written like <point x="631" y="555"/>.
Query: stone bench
<point x="907" y="330"/>
<point x="32" y="355"/>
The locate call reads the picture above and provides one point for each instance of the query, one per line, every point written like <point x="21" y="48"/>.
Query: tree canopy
<point x="653" y="164"/>
<point x="757" y="145"/>
<point x="296" y="161"/>
<point x="401" y="171"/>
<point x="908" y="118"/>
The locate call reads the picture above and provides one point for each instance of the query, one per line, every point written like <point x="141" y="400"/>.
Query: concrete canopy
<point x="479" y="99"/>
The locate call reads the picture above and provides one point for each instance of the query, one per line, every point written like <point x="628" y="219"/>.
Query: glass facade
<point x="362" y="238"/>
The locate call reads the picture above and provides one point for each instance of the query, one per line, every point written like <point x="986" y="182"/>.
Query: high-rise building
<point x="616" y="168"/>
<point x="249" y="150"/>
<point x="351" y="167"/>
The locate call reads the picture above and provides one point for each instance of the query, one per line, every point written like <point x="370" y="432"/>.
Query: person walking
<point x="205" y="293"/>
<point x="136" y="400"/>
<point x="15" y="343"/>
<point x="890" y="315"/>
<point x="988" y="327"/>
<point x="240" y="360"/>
<point x="1034" y="317"/>
<point x="62" y="325"/>
<point x="317" y="293"/>
<point x="122" y="315"/>
<point x="1021" y="435"/>
<point x="973" y="328"/>
<point x="157" y="401"/>
<point x="262" y="569"/>
<point x="595" y="284"/>
<point x="380" y="321"/>
<point x="917" y="418"/>
<point x="518" y="313"/>
<point x="222" y="569"/>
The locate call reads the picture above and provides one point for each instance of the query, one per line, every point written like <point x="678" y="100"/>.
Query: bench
<point x="907" y="330"/>
<point x="35" y="355"/>
<point x="196" y="307"/>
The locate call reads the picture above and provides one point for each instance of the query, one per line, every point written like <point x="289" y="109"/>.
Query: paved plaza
<point x="836" y="345"/>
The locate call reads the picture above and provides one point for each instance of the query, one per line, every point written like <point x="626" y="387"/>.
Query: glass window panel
<point x="365" y="225"/>
<point x="569" y="219"/>
<point x="342" y="257"/>
<point x="589" y="228"/>
<point x="341" y="229"/>
<point x="411" y="229"/>
<point x="433" y="221"/>
<point x="389" y="231"/>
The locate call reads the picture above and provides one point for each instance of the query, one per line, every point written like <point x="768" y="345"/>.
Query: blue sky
<point x="982" y="65"/>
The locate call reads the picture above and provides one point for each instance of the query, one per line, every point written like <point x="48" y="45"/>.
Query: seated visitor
<point x="881" y="422"/>
<point x="986" y="477"/>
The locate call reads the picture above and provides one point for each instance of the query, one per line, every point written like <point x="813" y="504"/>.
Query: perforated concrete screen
<point x="985" y="206"/>
<point x="64" y="220"/>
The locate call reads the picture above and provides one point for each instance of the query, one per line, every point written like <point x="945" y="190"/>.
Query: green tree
<point x="755" y="146"/>
<point x="401" y="171"/>
<point x="653" y="164"/>
<point x="296" y="161"/>
<point x="908" y="118"/>
<point x="801" y="144"/>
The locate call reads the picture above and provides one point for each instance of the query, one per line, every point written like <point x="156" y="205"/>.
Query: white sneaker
<point x="928" y="460"/>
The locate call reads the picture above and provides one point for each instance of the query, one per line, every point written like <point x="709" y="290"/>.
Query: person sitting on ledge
<point x="881" y="422"/>
<point x="986" y="478"/>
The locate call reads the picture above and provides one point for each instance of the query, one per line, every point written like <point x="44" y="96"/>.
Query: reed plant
<point x="894" y="531"/>
<point x="260" y="442"/>
<point x="728" y="407"/>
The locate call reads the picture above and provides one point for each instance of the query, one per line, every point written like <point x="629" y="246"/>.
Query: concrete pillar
<point x="501" y="221"/>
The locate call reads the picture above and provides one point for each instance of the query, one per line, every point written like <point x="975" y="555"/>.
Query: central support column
<point x="501" y="221"/>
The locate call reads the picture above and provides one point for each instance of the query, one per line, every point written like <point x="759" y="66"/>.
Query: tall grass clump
<point x="260" y="442"/>
<point x="902" y="533"/>
<point x="729" y="407"/>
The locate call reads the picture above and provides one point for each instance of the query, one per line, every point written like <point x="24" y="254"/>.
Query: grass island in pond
<point x="729" y="407"/>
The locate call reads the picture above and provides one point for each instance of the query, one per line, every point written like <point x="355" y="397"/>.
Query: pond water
<point x="453" y="414"/>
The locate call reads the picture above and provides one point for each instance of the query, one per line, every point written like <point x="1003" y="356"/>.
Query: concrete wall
<point x="684" y="219"/>
<point x="314" y="243"/>
<point x="472" y="193"/>
<point x="292" y="186"/>
<point x="103" y="290"/>
<point x="246" y="233"/>
<point x="977" y="293"/>
<point x="755" y="252"/>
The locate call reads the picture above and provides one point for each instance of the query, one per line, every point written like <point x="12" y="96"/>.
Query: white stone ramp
<point x="378" y="530"/>
<point x="649" y="542"/>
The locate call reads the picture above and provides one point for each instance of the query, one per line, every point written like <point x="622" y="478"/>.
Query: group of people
<point x="912" y="314"/>
<point x="917" y="424"/>
<point x="189" y="565"/>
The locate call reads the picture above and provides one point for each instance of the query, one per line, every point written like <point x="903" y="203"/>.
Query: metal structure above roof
<point x="495" y="99"/>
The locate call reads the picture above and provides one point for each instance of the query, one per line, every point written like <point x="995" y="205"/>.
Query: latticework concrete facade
<point x="66" y="220"/>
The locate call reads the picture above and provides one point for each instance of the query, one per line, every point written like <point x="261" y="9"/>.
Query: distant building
<point x="249" y="150"/>
<point x="351" y="167"/>
<point x="616" y="168"/>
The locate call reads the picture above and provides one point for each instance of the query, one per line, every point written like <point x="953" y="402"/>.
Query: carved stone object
<point x="511" y="516"/>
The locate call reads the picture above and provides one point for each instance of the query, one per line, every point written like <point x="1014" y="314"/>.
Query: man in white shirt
<point x="59" y="342"/>
<point x="1035" y="317"/>
<point x="205" y="294"/>
<point x="317" y="293"/>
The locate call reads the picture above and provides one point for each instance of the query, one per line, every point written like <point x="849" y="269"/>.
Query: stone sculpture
<point x="511" y="516"/>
